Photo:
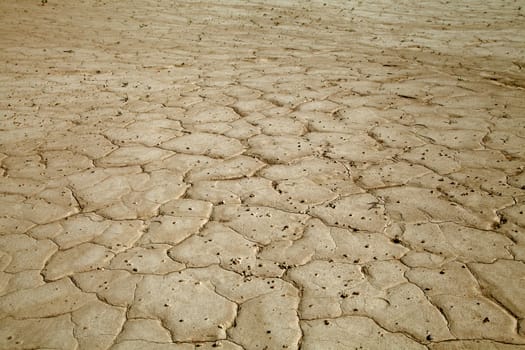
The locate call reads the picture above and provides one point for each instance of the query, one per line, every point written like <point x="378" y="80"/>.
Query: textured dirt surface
<point x="266" y="175"/>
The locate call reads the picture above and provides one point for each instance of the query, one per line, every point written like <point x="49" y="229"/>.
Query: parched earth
<point x="182" y="175"/>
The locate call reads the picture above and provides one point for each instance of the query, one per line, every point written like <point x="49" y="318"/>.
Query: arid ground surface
<point x="262" y="175"/>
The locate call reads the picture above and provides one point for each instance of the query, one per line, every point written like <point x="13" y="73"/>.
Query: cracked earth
<point x="274" y="175"/>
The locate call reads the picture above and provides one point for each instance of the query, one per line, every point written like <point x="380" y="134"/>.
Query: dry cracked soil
<point x="183" y="175"/>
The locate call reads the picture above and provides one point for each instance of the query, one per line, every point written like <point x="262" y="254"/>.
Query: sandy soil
<point x="262" y="175"/>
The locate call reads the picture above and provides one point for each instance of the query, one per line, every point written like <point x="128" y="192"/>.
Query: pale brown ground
<point x="265" y="175"/>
